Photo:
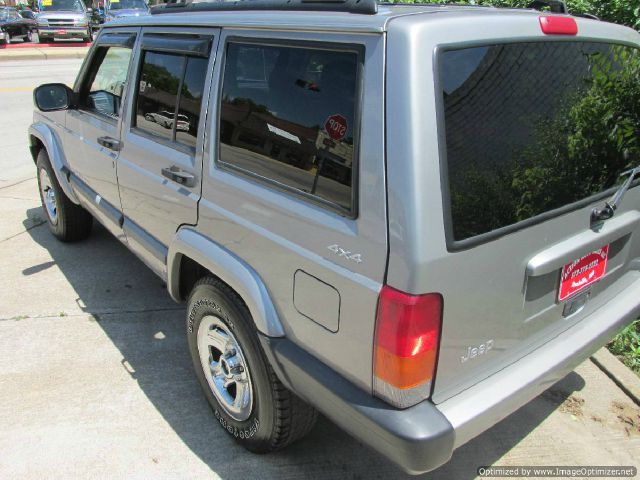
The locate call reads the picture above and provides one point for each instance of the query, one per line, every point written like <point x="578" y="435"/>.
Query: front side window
<point x="107" y="82"/>
<point x="534" y="127"/>
<point x="288" y="116"/>
<point x="170" y="96"/>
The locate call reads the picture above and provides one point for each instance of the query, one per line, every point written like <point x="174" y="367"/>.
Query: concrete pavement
<point x="96" y="381"/>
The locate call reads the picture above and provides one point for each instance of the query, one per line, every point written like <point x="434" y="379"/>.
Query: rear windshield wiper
<point x="610" y="206"/>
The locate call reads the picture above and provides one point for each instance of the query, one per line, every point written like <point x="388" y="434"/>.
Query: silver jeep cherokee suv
<point x="413" y="219"/>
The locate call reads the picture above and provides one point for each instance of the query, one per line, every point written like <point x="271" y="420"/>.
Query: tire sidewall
<point x="255" y="432"/>
<point x="43" y="164"/>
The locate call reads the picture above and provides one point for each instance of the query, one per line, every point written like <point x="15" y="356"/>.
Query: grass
<point x="626" y="346"/>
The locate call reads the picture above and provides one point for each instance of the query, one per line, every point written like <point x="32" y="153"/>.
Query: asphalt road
<point x="17" y="81"/>
<point x="96" y="382"/>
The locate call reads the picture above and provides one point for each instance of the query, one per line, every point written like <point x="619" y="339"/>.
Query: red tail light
<point x="406" y="345"/>
<point x="552" y="25"/>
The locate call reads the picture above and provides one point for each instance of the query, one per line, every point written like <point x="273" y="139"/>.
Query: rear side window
<point x="170" y="96"/>
<point x="288" y="116"/>
<point x="534" y="127"/>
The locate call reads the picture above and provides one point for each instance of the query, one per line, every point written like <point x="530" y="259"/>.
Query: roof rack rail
<point x="555" y="6"/>
<point x="367" y="7"/>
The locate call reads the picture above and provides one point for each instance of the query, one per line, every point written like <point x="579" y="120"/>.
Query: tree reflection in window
<point x="537" y="126"/>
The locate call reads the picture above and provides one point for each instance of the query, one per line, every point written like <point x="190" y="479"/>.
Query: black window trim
<point x="185" y="54"/>
<point x="359" y="50"/>
<point x="452" y="244"/>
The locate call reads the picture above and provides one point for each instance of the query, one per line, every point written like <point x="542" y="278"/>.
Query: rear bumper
<point x="417" y="439"/>
<point x="423" y="437"/>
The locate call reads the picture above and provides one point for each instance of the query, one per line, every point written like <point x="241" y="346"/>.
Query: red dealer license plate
<point x="61" y="32"/>
<point x="579" y="274"/>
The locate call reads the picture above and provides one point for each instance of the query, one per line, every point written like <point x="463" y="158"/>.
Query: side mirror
<point x="52" y="96"/>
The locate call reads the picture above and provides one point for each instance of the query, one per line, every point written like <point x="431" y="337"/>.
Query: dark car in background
<point x="27" y="14"/>
<point x="13" y="26"/>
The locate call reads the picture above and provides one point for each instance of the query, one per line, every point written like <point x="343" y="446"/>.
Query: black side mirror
<point x="53" y="96"/>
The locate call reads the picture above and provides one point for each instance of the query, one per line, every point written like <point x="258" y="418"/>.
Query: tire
<point x="29" y="36"/>
<point x="42" y="39"/>
<point x="67" y="221"/>
<point x="271" y="417"/>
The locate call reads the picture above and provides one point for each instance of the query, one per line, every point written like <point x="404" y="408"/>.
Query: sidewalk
<point x="29" y="51"/>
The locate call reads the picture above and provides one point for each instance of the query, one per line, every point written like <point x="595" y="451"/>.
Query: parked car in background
<point x="27" y="13"/>
<point x="116" y="9"/>
<point x="13" y="25"/>
<point x="64" y="19"/>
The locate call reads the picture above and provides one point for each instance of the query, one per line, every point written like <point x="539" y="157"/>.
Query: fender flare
<point x="53" y="145"/>
<point x="230" y="269"/>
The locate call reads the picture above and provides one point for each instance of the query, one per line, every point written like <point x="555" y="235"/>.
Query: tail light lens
<point x="406" y="344"/>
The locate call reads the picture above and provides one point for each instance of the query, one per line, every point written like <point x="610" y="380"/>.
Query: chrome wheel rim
<point x="225" y="367"/>
<point x="48" y="195"/>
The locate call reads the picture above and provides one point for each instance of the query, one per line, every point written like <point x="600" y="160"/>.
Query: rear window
<point x="534" y="127"/>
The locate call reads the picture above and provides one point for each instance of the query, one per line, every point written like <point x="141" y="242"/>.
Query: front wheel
<point x="67" y="221"/>
<point x="247" y="399"/>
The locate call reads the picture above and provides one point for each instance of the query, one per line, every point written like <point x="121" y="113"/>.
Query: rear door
<point x="161" y="154"/>
<point x="533" y="133"/>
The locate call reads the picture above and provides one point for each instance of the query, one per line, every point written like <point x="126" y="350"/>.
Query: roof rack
<point x="367" y="7"/>
<point x="555" y="6"/>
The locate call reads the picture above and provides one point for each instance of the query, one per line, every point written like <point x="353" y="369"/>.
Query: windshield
<point x="61" y="6"/>
<point x="127" y="5"/>
<point x="3" y="15"/>
<point x="533" y="127"/>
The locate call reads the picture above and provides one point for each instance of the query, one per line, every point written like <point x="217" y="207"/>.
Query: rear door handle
<point x="110" y="143"/>
<point x="180" y="176"/>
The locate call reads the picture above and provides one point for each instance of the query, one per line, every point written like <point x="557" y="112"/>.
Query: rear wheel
<point x="67" y="221"/>
<point x="247" y="398"/>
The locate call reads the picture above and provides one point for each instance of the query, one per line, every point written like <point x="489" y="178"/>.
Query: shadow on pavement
<point x="134" y="310"/>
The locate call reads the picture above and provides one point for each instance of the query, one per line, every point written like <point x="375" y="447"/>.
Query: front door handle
<point x="110" y="143"/>
<point x="180" y="176"/>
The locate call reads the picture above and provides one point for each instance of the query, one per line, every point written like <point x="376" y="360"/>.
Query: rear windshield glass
<point x="533" y="127"/>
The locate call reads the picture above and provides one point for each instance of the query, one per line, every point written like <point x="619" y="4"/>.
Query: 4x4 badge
<point x="341" y="252"/>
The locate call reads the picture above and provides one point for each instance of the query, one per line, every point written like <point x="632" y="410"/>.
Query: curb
<point x="617" y="371"/>
<point x="43" y="54"/>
